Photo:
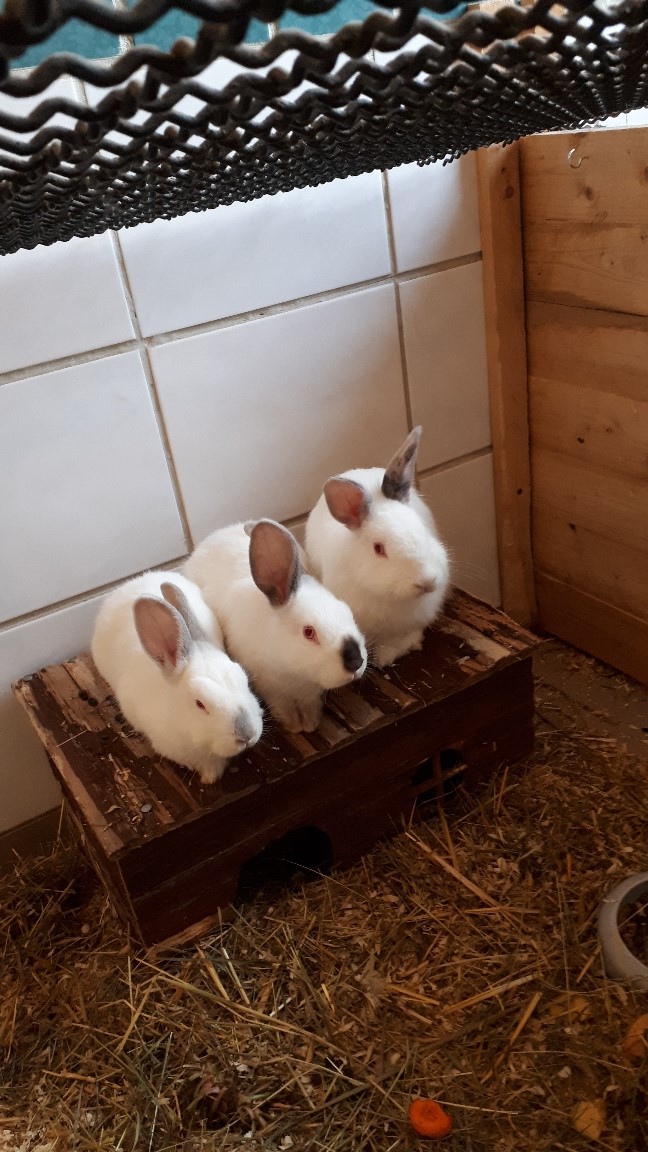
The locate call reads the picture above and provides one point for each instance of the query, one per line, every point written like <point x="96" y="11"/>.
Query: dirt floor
<point x="458" y="962"/>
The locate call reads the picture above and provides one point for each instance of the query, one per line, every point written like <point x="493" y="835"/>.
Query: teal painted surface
<point x="93" y="43"/>
<point x="171" y="27"/>
<point x="328" y="22"/>
<point x="345" y="12"/>
<point x="75" y="36"/>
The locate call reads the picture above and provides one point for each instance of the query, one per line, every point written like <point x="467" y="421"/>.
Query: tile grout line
<point x="126" y="41"/>
<point x="13" y="375"/>
<point x="391" y="243"/>
<point x="447" y="465"/>
<point x="305" y="301"/>
<point x="83" y="597"/>
<point x="439" y="266"/>
<point x="153" y="393"/>
<point x="290" y="522"/>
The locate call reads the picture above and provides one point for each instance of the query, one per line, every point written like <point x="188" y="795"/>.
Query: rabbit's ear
<point x="347" y="501"/>
<point x="248" y="526"/>
<point x="163" y="633"/>
<point x="177" y="599"/>
<point x="274" y="561"/>
<point x="399" y="473"/>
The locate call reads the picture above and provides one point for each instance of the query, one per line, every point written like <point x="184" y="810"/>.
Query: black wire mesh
<point x="299" y="111"/>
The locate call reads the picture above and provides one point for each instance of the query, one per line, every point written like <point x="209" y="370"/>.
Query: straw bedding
<point x="459" y="961"/>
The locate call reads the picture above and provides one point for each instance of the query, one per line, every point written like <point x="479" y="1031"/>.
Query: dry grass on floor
<point x="459" y="961"/>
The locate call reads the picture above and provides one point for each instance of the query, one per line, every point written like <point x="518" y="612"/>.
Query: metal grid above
<point x="172" y="136"/>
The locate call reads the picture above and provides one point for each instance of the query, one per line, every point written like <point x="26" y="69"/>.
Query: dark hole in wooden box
<point x="442" y="773"/>
<point x="303" y="853"/>
<point x="306" y="853"/>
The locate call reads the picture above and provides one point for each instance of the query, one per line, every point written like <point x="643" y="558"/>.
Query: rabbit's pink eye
<point x="199" y="704"/>
<point x="380" y="549"/>
<point x="310" y="633"/>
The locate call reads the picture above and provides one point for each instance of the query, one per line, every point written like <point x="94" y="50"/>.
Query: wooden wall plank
<point x="599" y="428"/>
<point x="583" y="558"/>
<point x="590" y="524"/>
<point x="594" y="626"/>
<point x="595" y="498"/>
<point x="585" y="213"/>
<point x="586" y="219"/>
<point x="589" y="421"/>
<point x="501" y="232"/>
<point x="588" y="347"/>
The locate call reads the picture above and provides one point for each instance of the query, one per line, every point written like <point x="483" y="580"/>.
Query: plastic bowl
<point x="618" y="961"/>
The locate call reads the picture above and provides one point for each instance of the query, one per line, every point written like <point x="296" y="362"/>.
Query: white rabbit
<point x="292" y="635"/>
<point x="159" y="647"/>
<point x="371" y="539"/>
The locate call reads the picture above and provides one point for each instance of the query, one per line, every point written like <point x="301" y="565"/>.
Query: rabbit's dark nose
<point x="352" y="657"/>
<point x="243" y="727"/>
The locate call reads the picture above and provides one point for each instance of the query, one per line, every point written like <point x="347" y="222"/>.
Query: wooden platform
<point x="170" y="850"/>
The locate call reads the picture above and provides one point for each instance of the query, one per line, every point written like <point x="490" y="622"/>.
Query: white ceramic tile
<point x="240" y="257"/>
<point x="435" y="214"/>
<point x="638" y="118"/>
<point x="619" y="121"/>
<point x="260" y="414"/>
<point x="445" y="349"/>
<point x="67" y="297"/>
<point x="409" y="49"/>
<point x="463" y="503"/>
<point x="86" y="493"/>
<point x="60" y="300"/>
<point x="23" y="106"/>
<point x="27" y="786"/>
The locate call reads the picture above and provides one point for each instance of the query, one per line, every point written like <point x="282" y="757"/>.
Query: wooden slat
<point x="592" y="497"/>
<point x="42" y="710"/>
<point x="586" y="219"/>
<point x="603" y="429"/>
<point x="600" y="351"/>
<point x="355" y="711"/>
<point x="501" y="233"/>
<point x="617" y="574"/>
<point x="598" y="628"/>
<point x="488" y="621"/>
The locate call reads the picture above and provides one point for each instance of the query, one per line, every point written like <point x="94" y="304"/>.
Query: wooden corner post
<point x="503" y="271"/>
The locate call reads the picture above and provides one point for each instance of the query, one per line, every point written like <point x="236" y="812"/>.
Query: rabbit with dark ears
<point x="161" y="651"/>
<point x="292" y="635"/>
<point x="373" y="542"/>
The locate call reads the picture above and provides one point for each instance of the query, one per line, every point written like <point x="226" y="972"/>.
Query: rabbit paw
<point x="298" y="717"/>
<point x="387" y="653"/>
<point x="311" y="714"/>
<point x="287" y="713"/>
<point x="212" y="771"/>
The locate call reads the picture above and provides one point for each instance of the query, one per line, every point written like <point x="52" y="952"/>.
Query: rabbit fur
<point x="293" y="636"/>
<point x="161" y="651"/>
<point x="373" y="542"/>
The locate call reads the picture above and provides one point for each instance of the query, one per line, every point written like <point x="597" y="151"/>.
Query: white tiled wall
<point x="160" y="382"/>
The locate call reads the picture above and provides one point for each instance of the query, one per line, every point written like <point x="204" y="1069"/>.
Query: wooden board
<point x="501" y="233"/>
<point x="586" y="219"/>
<point x="606" y="352"/>
<point x="588" y="397"/>
<point x="171" y="850"/>
<point x="585" y="213"/>
<point x="594" y="626"/>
